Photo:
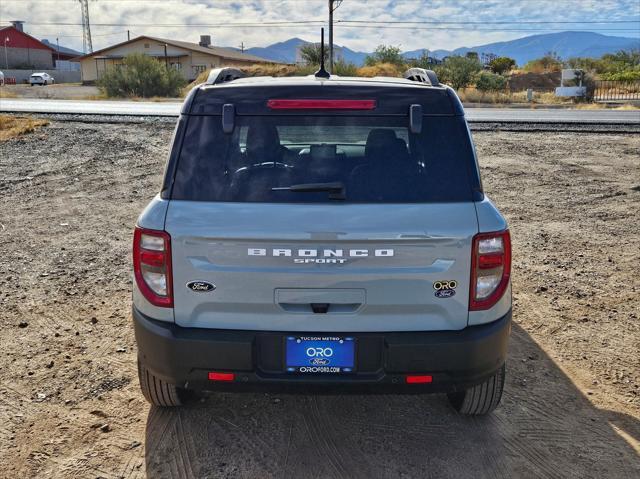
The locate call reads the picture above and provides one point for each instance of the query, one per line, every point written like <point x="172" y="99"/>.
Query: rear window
<point x="371" y="158"/>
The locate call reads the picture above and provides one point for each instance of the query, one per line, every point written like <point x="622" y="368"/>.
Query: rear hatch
<point x="323" y="223"/>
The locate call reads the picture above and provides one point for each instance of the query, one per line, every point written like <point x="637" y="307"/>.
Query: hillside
<point x="565" y="44"/>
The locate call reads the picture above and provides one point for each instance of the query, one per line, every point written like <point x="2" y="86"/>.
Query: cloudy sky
<point x="259" y="22"/>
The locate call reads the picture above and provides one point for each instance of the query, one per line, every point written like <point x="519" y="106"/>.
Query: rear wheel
<point x="156" y="391"/>
<point x="480" y="399"/>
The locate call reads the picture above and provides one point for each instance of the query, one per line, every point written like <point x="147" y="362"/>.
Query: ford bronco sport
<point x="322" y="232"/>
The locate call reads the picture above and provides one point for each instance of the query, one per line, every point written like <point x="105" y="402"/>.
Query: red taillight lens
<point x="213" y="376"/>
<point x="419" y="379"/>
<point x="490" y="269"/>
<point x="152" y="266"/>
<point x="321" y="104"/>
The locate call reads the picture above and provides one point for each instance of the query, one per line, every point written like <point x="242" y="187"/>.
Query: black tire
<point x="45" y="83"/>
<point x="156" y="391"/>
<point x="480" y="399"/>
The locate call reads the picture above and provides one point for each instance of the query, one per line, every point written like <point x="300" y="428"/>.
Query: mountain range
<point x="564" y="44"/>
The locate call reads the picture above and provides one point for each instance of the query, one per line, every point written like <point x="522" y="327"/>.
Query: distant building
<point x="61" y="52"/>
<point x="190" y="59"/>
<point x="19" y="50"/>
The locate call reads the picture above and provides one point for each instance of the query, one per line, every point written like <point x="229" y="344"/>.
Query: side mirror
<point x="228" y="117"/>
<point x="415" y="118"/>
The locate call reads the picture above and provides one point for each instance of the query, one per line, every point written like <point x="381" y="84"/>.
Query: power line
<point x="502" y="22"/>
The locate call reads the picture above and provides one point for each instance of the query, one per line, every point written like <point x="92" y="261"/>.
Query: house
<point x="60" y="52"/>
<point x="18" y="50"/>
<point x="190" y="59"/>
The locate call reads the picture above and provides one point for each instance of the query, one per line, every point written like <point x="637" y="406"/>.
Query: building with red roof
<point x="19" y="50"/>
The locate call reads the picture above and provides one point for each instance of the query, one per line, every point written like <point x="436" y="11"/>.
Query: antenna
<point x="322" y="73"/>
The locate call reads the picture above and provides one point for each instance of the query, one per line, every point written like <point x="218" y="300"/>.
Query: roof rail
<point x="223" y="75"/>
<point x="421" y="75"/>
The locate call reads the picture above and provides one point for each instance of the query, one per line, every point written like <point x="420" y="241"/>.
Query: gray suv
<point x="322" y="233"/>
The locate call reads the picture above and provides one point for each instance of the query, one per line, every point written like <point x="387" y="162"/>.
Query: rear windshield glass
<point x="294" y="159"/>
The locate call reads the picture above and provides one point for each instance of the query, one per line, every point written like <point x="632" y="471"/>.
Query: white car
<point x="41" y="79"/>
<point x="1" y="79"/>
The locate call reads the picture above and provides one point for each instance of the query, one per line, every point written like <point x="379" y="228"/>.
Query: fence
<point x="60" y="76"/>
<point x="616" y="90"/>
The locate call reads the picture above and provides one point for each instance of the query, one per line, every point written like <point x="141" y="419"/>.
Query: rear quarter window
<point x="376" y="159"/>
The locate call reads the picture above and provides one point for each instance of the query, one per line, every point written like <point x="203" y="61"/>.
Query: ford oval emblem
<point x="201" y="286"/>
<point x="445" y="293"/>
<point x="319" y="361"/>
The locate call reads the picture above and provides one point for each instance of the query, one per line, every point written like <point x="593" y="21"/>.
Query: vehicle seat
<point x="387" y="164"/>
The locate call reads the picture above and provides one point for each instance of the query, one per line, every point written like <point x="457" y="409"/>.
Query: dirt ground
<point x="70" y="406"/>
<point x="57" y="91"/>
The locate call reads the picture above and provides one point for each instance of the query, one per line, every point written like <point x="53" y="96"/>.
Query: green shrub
<point x="142" y="76"/>
<point x="457" y="71"/>
<point x="385" y="54"/>
<point x="344" y="68"/>
<point x="311" y="54"/>
<point x="502" y="65"/>
<point x="548" y="63"/>
<point x="486" y="82"/>
<point x="629" y="75"/>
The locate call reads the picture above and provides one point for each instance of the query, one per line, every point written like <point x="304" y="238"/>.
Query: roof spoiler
<point x="421" y="75"/>
<point x="223" y="75"/>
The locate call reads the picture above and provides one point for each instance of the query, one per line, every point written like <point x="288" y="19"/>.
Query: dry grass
<point x="4" y="93"/>
<point x="381" y="70"/>
<point x="605" y="106"/>
<point x="99" y="96"/>
<point x="471" y="95"/>
<point x="12" y="126"/>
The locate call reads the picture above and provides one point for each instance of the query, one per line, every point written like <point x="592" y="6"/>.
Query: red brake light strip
<point x="321" y="104"/>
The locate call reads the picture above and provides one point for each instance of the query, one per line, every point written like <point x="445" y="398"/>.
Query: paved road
<point x="136" y="108"/>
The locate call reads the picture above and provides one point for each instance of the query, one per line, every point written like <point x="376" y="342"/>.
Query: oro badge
<point x="445" y="288"/>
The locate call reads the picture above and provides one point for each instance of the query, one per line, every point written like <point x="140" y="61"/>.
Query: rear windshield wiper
<point x="336" y="190"/>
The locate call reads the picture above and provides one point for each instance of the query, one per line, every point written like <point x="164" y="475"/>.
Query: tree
<point x="473" y="56"/>
<point x="311" y="53"/>
<point x="385" y="54"/>
<point x="486" y="82"/>
<point x="501" y="65"/>
<point x="550" y="62"/>
<point x="141" y="75"/>
<point x="459" y="71"/>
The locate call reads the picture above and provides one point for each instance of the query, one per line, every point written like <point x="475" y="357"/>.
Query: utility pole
<point x="58" y="48"/>
<point x="331" y="10"/>
<point x="166" y="60"/>
<point x="86" y="28"/>
<point x="128" y="35"/>
<point x="241" y="47"/>
<point x="6" y="60"/>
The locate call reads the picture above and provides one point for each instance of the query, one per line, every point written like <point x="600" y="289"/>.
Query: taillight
<point x="490" y="269"/>
<point x="152" y="266"/>
<point x="289" y="104"/>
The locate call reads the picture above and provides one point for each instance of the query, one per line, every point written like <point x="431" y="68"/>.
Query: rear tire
<point x="480" y="399"/>
<point x="156" y="391"/>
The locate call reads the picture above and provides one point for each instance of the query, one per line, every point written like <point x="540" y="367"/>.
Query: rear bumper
<point x="455" y="359"/>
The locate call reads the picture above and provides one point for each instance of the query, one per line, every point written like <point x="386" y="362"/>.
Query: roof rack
<point x="223" y="75"/>
<point x="421" y="75"/>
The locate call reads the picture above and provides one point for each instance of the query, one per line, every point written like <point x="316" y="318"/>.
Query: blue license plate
<point x="320" y="354"/>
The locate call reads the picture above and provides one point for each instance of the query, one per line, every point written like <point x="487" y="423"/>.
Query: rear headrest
<point x="378" y="140"/>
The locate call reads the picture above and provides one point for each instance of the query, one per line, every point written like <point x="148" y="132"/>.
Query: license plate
<point x="320" y="354"/>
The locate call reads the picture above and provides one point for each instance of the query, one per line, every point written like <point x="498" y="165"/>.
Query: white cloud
<point x="142" y="15"/>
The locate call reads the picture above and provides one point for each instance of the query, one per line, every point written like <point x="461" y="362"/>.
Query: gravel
<point x="69" y="196"/>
